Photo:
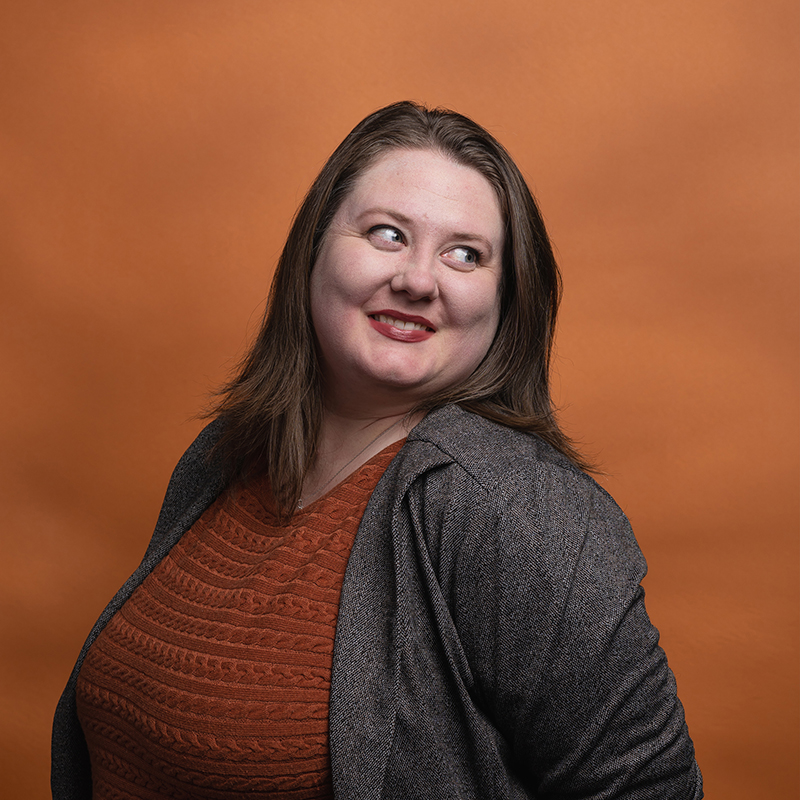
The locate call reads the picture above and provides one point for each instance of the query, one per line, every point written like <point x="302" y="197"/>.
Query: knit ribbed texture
<point x="213" y="680"/>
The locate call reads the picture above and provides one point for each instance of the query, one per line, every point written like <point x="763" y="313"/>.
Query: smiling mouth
<point x="400" y="324"/>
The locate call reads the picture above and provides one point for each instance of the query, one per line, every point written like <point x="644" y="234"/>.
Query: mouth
<point x="401" y="327"/>
<point x="404" y="322"/>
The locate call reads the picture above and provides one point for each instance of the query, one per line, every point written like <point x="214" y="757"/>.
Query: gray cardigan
<point x="492" y="640"/>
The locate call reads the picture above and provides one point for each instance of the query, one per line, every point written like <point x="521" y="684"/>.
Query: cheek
<point x="340" y="278"/>
<point x="478" y="313"/>
<point x="477" y="325"/>
<point x="485" y="332"/>
<point x="325" y="292"/>
<point x="491" y="317"/>
<point x="315" y="296"/>
<point x="336" y="296"/>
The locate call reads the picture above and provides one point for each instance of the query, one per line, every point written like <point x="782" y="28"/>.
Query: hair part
<point x="273" y="404"/>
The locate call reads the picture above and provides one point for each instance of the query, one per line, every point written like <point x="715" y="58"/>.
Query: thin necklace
<point x="342" y="469"/>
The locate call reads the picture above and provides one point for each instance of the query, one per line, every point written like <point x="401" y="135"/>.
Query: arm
<point x="552" y="617"/>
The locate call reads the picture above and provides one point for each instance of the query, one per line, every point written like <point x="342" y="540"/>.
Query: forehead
<point x="426" y="184"/>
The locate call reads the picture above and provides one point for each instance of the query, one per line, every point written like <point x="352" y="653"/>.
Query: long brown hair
<point x="272" y="406"/>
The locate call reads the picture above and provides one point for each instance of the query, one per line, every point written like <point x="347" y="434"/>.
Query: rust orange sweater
<point x="213" y="680"/>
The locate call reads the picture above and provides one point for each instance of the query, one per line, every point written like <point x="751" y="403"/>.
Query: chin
<point x="401" y="383"/>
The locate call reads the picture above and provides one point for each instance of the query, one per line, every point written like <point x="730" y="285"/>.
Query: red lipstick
<point x="415" y="334"/>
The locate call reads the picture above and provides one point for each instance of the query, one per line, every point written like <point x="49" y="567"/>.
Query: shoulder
<point x="196" y="479"/>
<point x="505" y="465"/>
<point x="498" y="500"/>
<point x="198" y="454"/>
<point x="197" y="465"/>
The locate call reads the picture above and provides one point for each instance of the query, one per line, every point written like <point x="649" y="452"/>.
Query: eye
<point x="464" y="256"/>
<point x="385" y="236"/>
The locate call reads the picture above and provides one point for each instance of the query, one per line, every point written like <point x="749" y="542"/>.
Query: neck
<point x="346" y="442"/>
<point x="339" y="428"/>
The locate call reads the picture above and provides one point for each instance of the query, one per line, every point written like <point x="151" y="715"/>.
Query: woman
<point x="386" y="467"/>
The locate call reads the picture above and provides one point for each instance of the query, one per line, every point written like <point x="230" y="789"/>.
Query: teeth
<point x="402" y="325"/>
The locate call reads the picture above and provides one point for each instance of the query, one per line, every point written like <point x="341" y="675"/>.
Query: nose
<point x="416" y="277"/>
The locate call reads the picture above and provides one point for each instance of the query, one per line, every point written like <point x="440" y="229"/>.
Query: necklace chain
<point x="341" y="469"/>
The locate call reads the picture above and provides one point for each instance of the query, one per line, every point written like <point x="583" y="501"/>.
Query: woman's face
<point x="405" y="291"/>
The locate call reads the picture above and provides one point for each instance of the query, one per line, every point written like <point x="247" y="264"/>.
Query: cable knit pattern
<point x="213" y="679"/>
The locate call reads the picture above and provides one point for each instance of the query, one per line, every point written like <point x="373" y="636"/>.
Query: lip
<point x="389" y="312"/>
<point x="396" y="333"/>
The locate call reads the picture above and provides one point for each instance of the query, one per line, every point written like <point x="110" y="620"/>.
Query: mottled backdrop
<point x="151" y="156"/>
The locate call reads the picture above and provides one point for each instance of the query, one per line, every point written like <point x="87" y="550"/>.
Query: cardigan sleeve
<point x="194" y="484"/>
<point x="551" y="614"/>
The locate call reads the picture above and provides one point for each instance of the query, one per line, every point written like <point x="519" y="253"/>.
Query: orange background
<point x="151" y="156"/>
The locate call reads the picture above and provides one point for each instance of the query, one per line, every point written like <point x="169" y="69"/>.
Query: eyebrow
<point x="402" y="218"/>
